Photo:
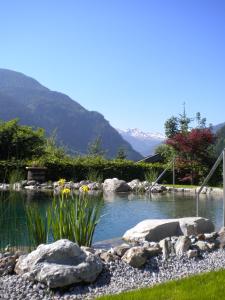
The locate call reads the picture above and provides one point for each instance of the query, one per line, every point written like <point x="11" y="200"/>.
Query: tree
<point x="193" y="149"/>
<point x="20" y="142"/>
<point x="121" y="154"/>
<point x="95" y="147"/>
<point x="171" y="127"/>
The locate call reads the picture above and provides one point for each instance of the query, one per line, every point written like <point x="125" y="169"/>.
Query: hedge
<point x="79" y="169"/>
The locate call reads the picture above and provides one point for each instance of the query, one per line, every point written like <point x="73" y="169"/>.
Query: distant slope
<point x="217" y="127"/>
<point x="143" y="142"/>
<point x="24" y="98"/>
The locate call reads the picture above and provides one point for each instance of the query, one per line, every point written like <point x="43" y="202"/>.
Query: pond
<point x="119" y="213"/>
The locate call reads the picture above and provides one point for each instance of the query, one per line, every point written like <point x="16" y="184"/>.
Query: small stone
<point x="201" y="245"/>
<point x="121" y="250"/>
<point x="135" y="257"/>
<point x="192" y="253"/>
<point x="108" y="257"/>
<point x="182" y="245"/>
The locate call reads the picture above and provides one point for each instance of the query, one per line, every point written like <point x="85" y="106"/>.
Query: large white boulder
<point x="59" y="264"/>
<point x="116" y="185"/>
<point x="156" y="229"/>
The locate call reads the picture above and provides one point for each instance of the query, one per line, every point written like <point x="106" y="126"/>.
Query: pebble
<point x="116" y="277"/>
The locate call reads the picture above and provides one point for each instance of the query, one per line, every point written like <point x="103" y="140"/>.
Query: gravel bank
<point x="116" y="277"/>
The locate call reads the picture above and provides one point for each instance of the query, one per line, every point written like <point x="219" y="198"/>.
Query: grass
<point x="183" y="186"/>
<point x="207" y="286"/>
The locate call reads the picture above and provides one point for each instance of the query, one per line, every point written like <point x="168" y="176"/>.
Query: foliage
<point x="16" y="176"/>
<point x="220" y="141"/>
<point x="192" y="147"/>
<point x="171" y="127"/>
<point x="36" y="224"/>
<point x="121" y="154"/>
<point x="151" y="175"/>
<point x="207" y="286"/>
<point x="19" y="142"/>
<point x="74" y="217"/>
<point x="94" y="176"/>
<point x="193" y="152"/>
<point x="166" y="151"/>
<point x="95" y="148"/>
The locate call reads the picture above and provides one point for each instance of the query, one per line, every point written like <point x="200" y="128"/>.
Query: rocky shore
<point x="63" y="270"/>
<point x="108" y="186"/>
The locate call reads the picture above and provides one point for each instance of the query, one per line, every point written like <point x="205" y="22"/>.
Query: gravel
<point x="115" y="278"/>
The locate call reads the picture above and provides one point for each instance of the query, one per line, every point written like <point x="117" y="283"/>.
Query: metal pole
<point x="211" y="171"/>
<point x="160" y="176"/>
<point x="173" y="172"/>
<point x="197" y="205"/>
<point x="223" y="187"/>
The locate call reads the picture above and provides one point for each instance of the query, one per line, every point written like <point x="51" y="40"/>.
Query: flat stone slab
<point x="156" y="229"/>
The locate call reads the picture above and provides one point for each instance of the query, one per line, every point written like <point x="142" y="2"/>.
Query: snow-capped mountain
<point x="143" y="142"/>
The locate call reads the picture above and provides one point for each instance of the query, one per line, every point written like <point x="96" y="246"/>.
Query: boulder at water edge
<point x="156" y="230"/>
<point x="116" y="185"/>
<point x="59" y="264"/>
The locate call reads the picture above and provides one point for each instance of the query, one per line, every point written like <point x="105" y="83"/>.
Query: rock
<point x="201" y="237"/>
<point x="121" y="250"/>
<point x="7" y="265"/>
<point x="203" y="246"/>
<point x="152" y="251"/>
<point x="108" y="257"/>
<point x="59" y="264"/>
<point x="116" y="185"/>
<point x="152" y="230"/>
<point x="30" y="187"/>
<point x="135" y="257"/>
<point x="182" y="245"/>
<point x="221" y="237"/>
<point x="88" y="249"/>
<point x="31" y="182"/>
<point x="134" y="184"/>
<point x="156" y="230"/>
<point x="76" y="185"/>
<point x="195" y="225"/>
<point x="94" y="186"/>
<point x="165" y="246"/>
<point x="192" y="253"/>
<point x="211" y="237"/>
<point x="157" y="189"/>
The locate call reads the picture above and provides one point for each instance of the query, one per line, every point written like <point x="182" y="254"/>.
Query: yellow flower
<point x="61" y="181"/>
<point x="85" y="188"/>
<point x="66" y="191"/>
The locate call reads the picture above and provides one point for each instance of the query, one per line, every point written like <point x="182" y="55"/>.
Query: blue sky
<point x="134" y="61"/>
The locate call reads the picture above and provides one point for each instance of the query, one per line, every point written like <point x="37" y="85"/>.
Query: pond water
<point x="119" y="213"/>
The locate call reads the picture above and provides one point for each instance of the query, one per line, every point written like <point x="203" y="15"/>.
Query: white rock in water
<point x="59" y="264"/>
<point x="156" y="230"/>
<point x="116" y="185"/>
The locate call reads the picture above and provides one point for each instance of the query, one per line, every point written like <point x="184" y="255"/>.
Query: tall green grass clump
<point x="151" y="175"/>
<point x="37" y="225"/>
<point x="94" y="176"/>
<point x="74" y="217"/>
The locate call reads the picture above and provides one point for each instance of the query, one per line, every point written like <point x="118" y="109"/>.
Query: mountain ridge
<point x="35" y="105"/>
<point x="143" y="142"/>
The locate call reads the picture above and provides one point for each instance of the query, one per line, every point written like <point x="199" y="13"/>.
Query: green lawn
<point x="205" y="286"/>
<point x="183" y="186"/>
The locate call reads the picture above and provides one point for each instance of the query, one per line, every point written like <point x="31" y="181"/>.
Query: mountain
<point x="143" y="142"/>
<point x="217" y="127"/>
<point x="35" y="105"/>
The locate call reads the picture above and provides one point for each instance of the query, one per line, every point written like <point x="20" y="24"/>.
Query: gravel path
<point x="116" y="277"/>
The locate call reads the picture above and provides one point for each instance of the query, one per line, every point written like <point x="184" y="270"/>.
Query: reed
<point x="74" y="217"/>
<point x="36" y="225"/>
